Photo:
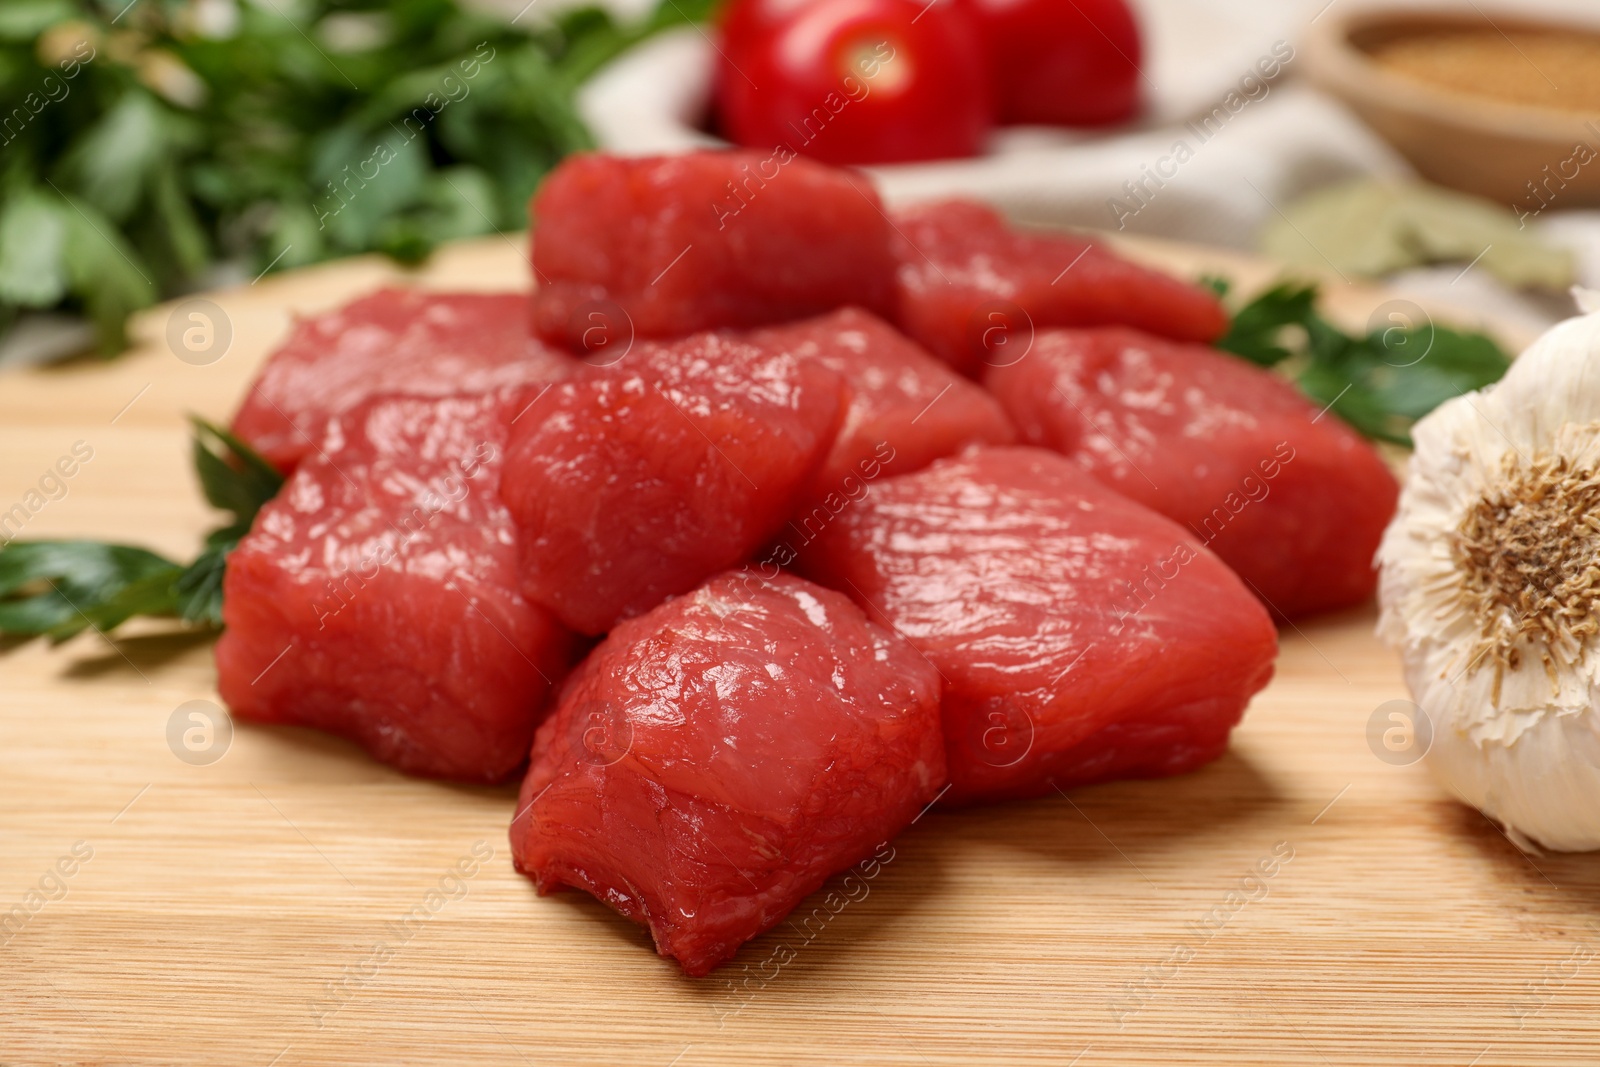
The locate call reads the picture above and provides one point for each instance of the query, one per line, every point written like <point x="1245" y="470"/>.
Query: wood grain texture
<point x="222" y="901"/>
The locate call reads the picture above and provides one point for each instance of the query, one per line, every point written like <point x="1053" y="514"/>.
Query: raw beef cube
<point x="905" y="409"/>
<point x="638" y="480"/>
<point x="1080" y="636"/>
<point x="397" y="341"/>
<point x="1291" y="498"/>
<point x="376" y="596"/>
<point x="973" y="290"/>
<point x="666" y="246"/>
<point x="714" y="761"/>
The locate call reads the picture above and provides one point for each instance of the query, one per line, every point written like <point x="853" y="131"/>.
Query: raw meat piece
<point x="398" y="341"/>
<point x="973" y="290"/>
<point x="905" y="408"/>
<point x="714" y="761"/>
<point x="1080" y="636"/>
<point x="375" y="597"/>
<point x="1293" y="500"/>
<point x="666" y="246"/>
<point x="638" y="480"/>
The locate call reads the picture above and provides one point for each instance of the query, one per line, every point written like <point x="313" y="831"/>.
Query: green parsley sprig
<point x="147" y="146"/>
<point x="58" y="589"/>
<point x="1380" y="382"/>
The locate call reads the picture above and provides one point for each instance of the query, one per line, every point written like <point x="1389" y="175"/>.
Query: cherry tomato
<point x="1061" y="62"/>
<point x="853" y="81"/>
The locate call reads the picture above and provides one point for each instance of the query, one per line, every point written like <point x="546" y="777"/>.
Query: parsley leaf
<point x="233" y="476"/>
<point x="1256" y="330"/>
<point x="1381" y="382"/>
<point x="58" y="589"/>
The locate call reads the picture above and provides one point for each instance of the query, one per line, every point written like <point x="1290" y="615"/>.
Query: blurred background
<point x="154" y="148"/>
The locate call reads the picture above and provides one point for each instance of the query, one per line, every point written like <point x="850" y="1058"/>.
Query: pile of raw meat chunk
<point x="748" y="535"/>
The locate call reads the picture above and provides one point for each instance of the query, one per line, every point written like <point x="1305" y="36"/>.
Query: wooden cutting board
<point x="294" y="903"/>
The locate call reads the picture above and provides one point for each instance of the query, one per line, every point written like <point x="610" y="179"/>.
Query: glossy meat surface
<point x="376" y="598"/>
<point x="666" y="246"/>
<point x="398" y="341"/>
<point x="904" y="410"/>
<point x="714" y="761"/>
<point x="1080" y="636"/>
<point x="1293" y="500"/>
<point x="638" y="480"/>
<point x="973" y="291"/>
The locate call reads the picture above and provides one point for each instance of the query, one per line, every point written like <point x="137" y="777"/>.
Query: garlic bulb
<point x="1490" y="590"/>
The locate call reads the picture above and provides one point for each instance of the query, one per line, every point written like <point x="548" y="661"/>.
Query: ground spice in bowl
<point x="1560" y="71"/>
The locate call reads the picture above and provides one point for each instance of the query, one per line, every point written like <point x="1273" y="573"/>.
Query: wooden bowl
<point x="1477" y="144"/>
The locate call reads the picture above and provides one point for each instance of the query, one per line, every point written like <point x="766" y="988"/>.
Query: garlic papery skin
<point x="1490" y="591"/>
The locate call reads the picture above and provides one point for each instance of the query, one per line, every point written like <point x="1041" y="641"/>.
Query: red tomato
<point x="1062" y="62"/>
<point x="853" y="81"/>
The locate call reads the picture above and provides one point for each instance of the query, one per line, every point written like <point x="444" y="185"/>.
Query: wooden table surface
<point x="254" y="910"/>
